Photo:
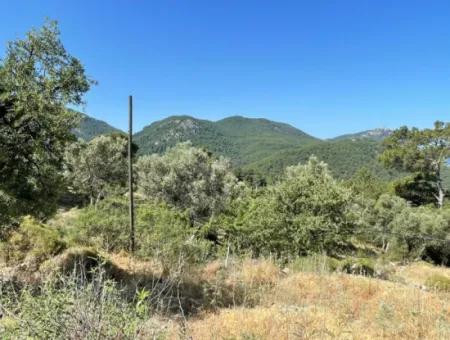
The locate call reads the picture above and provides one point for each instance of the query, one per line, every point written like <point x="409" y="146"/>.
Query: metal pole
<point x="130" y="172"/>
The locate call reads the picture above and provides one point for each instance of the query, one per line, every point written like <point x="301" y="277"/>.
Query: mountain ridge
<point x="259" y="144"/>
<point x="91" y="127"/>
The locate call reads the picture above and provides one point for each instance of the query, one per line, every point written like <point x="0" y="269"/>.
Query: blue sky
<point x="326" y="67"/>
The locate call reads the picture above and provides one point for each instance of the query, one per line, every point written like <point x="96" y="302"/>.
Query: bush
<point x="166" y="234"/>
<point x="32" y="240"/>
<point x="162" y="232"/>
<point x="74" y="309"/>
<point x="187" y="178"/>
<point x="307" y="212"/>
<point x="105" y="226"/>
<point x="438" y="282"/>
<point x="315" y="263"/>
<point x="362" y="266"/>
<point x="421" y="233"/>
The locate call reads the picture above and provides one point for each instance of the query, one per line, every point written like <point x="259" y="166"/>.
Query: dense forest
<point x="225" y="213"/>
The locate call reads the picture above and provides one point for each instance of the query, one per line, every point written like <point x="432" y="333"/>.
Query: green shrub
<point x="105" y="226"/>
<point x="438" y="282"/>
<point x="307" y="212"/>
<point x="31" y="240"/>
<point x="362" y="266"/>
<point x="166" y="234"/>
<point x="95" y="309"/>
<point x="315" y="263"/>
<point x="162" y="232"/>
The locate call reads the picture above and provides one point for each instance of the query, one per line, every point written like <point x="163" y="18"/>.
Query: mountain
<point x="264" y="146"/>
<point x="344" y="158"/>
<point x="253" y="144"/>
<point x="241" y="139"/>
<point x="375" y="134"/>
<point x="90" y="127"/>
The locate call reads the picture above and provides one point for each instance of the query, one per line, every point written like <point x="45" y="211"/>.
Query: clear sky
<point x="326" y="67"/>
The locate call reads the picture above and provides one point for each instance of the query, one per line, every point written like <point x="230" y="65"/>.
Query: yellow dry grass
<point x="419" y="272"/>
<point x="332" y="306"/>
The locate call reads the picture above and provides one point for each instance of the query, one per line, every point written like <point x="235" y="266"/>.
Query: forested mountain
<point x="90" y="127"/>
<point x="257" y="145"/>
<point x="344" y="158"/>
<point x="243" y="140"/>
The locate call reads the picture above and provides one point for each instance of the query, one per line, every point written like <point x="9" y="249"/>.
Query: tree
<point x="307" y="212"/>
<point x="364" y="182"/>
<point x="381" y="219"/>
<point x="95" y="168"/>
<point x="38" y="79"/>
<point x="417" y="188"/>
<point x="187" y="178"/>
<point x="251" y="177"/>
<point x="421" y="152"/>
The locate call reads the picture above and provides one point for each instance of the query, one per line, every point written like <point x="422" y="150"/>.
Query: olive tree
<point x="187" y="178"/>
<point x="95" y="168"/>
<point x="306" y="212"/>
<point x="38" y="79"/>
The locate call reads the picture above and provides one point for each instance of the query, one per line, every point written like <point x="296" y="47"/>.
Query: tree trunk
<point x="440" y="188"/>
<point x="440" y="196"/>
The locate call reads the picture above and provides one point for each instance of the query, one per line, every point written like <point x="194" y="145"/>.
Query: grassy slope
<point x="315" y="306"/>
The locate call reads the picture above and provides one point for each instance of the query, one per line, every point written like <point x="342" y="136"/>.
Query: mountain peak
<point x="377" y="134"/>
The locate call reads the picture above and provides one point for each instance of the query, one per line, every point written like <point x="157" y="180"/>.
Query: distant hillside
<point x="344" y="158"/>
<point x="261" y="145"/>
<point x="375" y="134"/>
<point x="243" y="140"/>
<point x="90" y="127"/>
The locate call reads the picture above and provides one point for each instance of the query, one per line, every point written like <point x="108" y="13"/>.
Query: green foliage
<point x="438" y="282"/>
<point x="89" y="128"/>
<point x="316" y="263"/>
<point x="359" y="266"/>
<point x="365" y="183"/>
<point x="405" y="232"/>
<point x="422" y="233"/>
<point x="70" y="307"/>
<point x="38" y="79"/>
<point x="165" y="234"/>
<point x="32" y="240"/>
<point x="162" y="233"/>
<point x="345" y="158"/>
<point x="105" y="225"/>
<point x="307" y="212"/>
<point x="380" y="219"/>
<point x="98" y="167"/>
<point x="416" y="188"/>
<point x="250" y="177"/>
<point x="243" y="140"/>
<point x="187" y="178"/>
<point x="262" y="149"/>
<point x="423" y="152"/>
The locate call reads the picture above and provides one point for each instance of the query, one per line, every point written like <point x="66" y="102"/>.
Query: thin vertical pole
<point x="130" y="172"/>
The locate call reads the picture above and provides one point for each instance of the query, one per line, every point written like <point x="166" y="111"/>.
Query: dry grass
<point x="254" y="299"/>
<point x="316" y="306"/>
<point x="418" y="273"/>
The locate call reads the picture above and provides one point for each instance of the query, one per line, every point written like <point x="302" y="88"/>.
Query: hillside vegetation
<point x="344" y="157"/>
<point x="240" y="139"/>
<point x="90" y="128"/>
<point x="213" y="251"/>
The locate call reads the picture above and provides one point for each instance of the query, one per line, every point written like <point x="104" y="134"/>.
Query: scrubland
<point x="118" y="296"/>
